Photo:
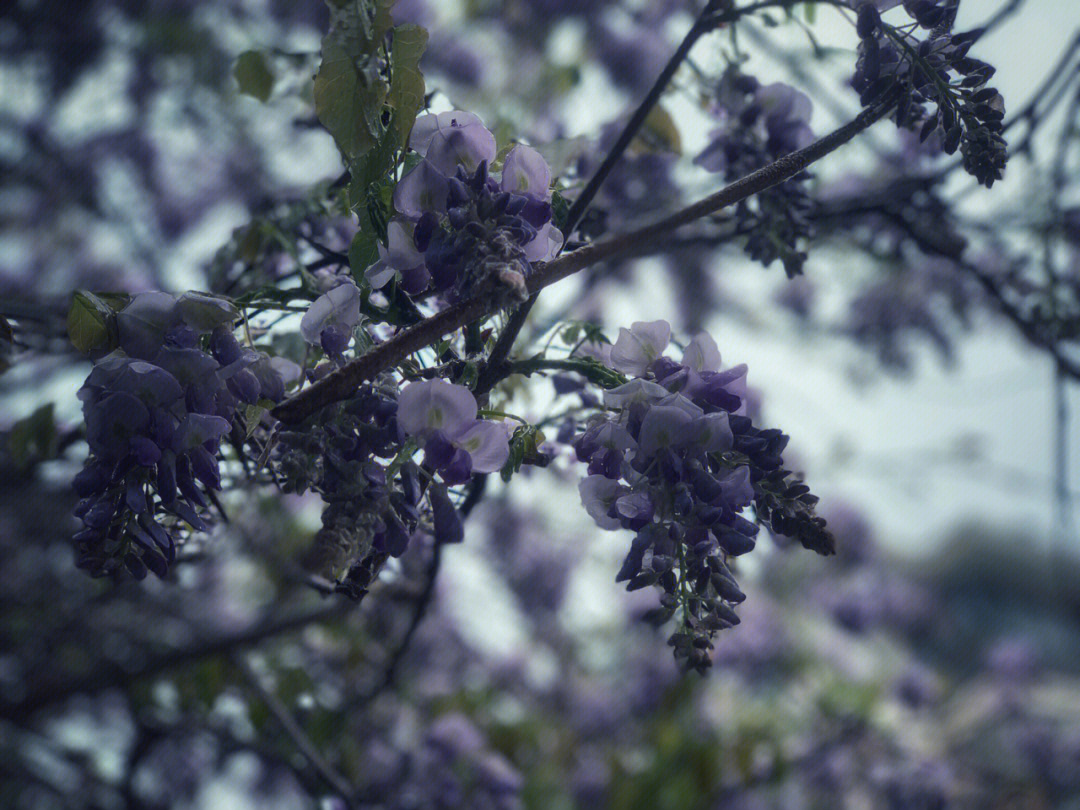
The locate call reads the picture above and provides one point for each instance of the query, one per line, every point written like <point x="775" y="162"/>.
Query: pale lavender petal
<point x="422" y="189"/>
<point x="526" y="172"/>
<point x="639" y="345"/>
<point x="143" y="322"/>
<point x="380" y="274"/>
<point x="713" y="432"/>
<point x="435" y="405"/>
<point x="702" y="354"/>
<point x="427" y="125"/>
<point x="401" y="253"/>
<point x="340" y="307"/>
<point x="598" y="351"/>
<point x="636" y="505"/>
<point x="615" y="436"/>
<point x="664" y="426"/>
<point x="683" y="404"/>
<point x="204" y="313"/>
<point x="736" y="488"/>
<point x="634" y="391"/>
<point x="285" y="368"/>
<point x="598" y="493"/>
<point x="460" y="146"/>
<point x="487" y="443"/>
<point x="545" y="245"/>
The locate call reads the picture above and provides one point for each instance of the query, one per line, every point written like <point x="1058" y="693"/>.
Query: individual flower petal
<point x="702" y="354"/>
<point x="268" y="373"/>
<point x="639" y="345"/>
<point x="598" y="494"/>
<point x="426" y="126"/>
<point x="664" y="426"/>
<point x="487" y="444"/>
<point x="634" y="391"/>
<point x="286" y="369"/>
<point x="466" y="146"/>
<point x="401" y="252"/>
<point x="190" y="367"/>
<point x="198" y="428"/>
<point x="421" y="190"/>
<point x="154" y="386"/>
<point x="635" y="506"/>
<point x="380" y="274"/>
<point x="458" y="469"/>
<point x="736" y="488"/>
<point x="435" y="405"/>
<point x="545" y="245"/>
<point x="526" y="172"/>
<point x="112" y="422"/>
<point x="683" y="404"/>
<point x="713" y="432"/>
<point x="340" y="308"/>
<point x="438" y="449"/>
<point x="143" y="322"/>
<point x="204" y="313"/>
<point x="614" y="436"/>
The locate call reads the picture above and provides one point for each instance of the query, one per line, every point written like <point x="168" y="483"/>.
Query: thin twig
<point x="505" y="342"/>
<point x="334" y="780"/>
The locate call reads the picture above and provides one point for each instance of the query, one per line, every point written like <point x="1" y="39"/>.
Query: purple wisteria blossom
<point x="458" y="226"/>
<point x="156" y="411"/>
<point x="331" y="318"/>
<point x="442" y="417"/>
<point x="674" y="459"/>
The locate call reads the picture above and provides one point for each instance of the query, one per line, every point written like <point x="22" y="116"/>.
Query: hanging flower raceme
<point x="675" y="459"/>
<point x="460" y="227"/>
<point x="759" y="124"/>
<point x="358" y="456"/>
<point x="933" y="82"/>
<point x="156" y="410"/>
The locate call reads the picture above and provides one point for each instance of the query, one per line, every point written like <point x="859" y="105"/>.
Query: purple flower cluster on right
<point x="675" y="459"/>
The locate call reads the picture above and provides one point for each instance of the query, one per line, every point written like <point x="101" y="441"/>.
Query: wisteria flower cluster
<point x="156" y="410"/>
<point x="758" y="124"/>
<point x="460" y="228"/>
<point x="936" y="71"/>
<point x="358" y="457"/>
<point x="675" y="459"/>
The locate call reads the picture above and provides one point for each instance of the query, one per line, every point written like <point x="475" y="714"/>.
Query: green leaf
<point x="90" y="322"/>
<point x="252" y="415"/>
<point x="373" y="168"/>
<point x="810" y="11"/>
<point x="33" y="438"/>
<point x="363" y="252"/>
<point x="349" y="95"/>
<point x="524" y="449"/>
<point x="560" y="208"/>
<point x="407" y="83"/>
<point x="253" y="75"/>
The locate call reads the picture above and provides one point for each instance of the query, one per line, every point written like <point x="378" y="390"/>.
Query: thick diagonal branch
<point x="342" y="383"/>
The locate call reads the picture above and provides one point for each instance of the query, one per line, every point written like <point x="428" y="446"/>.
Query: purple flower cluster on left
<point x="156" y="410"/>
